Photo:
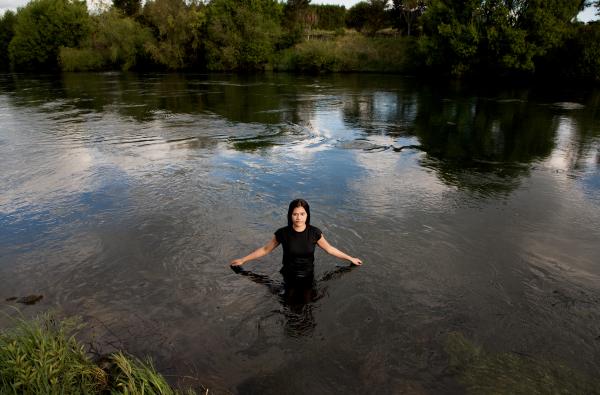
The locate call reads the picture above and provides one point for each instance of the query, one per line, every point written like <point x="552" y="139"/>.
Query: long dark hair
<point x="298" y="203"/>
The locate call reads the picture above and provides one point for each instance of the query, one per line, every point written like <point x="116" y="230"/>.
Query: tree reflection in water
<point x="297" y="296"/>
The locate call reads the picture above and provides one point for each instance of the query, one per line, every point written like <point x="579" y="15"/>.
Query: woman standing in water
<point x="298" y="240"/>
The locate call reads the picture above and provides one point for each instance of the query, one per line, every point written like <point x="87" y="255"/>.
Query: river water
<point x="476" y="211"/>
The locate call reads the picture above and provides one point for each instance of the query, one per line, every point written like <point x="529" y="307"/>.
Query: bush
<point x="177" y="27"/>
<point x="242" y="34"/>
<point x="349" y="52"/>
<point x="116" y="42"/>
<point x="42" y="27"/>
<point x="7" y="31"/>
<point x="81" y="59"/>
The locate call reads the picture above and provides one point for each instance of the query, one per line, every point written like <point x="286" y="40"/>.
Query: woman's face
<point x="299" y="217"/>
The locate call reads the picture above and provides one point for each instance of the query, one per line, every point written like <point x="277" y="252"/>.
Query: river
<point x="476" y="211"/>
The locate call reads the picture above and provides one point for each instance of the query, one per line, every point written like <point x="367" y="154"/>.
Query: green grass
<point x="487" y="373"/>
<point x="42" y="356"/>
<point x="351" y="52"/>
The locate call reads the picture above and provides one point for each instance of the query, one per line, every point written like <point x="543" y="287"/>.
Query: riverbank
<point x="43" y="356"/>
<point x="349" y="52"/>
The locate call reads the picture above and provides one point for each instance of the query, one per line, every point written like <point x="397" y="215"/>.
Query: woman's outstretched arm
<point x="331" y="250"/>
<point x="260" y="252"/>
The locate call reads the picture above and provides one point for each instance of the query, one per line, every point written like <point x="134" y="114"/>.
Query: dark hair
<point x="298" y="203"/>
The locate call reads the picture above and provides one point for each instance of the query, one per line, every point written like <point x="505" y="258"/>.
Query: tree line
<point x="458" y="37"/>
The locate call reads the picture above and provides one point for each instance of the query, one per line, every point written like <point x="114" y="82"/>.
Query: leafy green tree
<point x="368" y="16"/>
<point x="295" y="11"/>
<point x="178" y="28"/>
<point x="451" y="37"/>
<point x="115" y="42"/>
<point x="548" y="22"/>
<point x="294" y="17"/>
<point x="42" y="27"/>
<point x="357" y="16"/>
<point x="128" y="7"/>
<point x="483" y="36"/>
<point x="242" y="34"/>
<point x="329" y="17"/>
<point x="7" y="31"/>
<point x="405" y="14"/>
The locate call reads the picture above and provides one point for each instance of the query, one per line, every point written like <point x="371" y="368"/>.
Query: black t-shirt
<point x="298" y="250"/>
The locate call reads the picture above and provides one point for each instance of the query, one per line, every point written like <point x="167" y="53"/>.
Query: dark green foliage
<point x="7" y="31"/>
<point x="330" y="17"/>
<point x="405" y="14"/>
<point x="493" y="36"/>
<point x="356" y="18"/>
<point x="481" y="372"/>
<point x="588" y="57"/>
<point x="368" y="16"/>
<point x="451" y="35"/>
<point x="42" y="27"/>
<point x="295" y="11"/>
<point x="578" y="58"/>
<point x="547" y="22"/>
<point x="242" y="34"/>
<point x="509" y="38"/>
<point x="297" y="17"/>
<point x="178" y="28"/>
<point x="116" y="42"/>
<point x="128" y="7"/>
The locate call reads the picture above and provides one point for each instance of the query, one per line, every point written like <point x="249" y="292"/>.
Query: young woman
<point x="298" y="240"/>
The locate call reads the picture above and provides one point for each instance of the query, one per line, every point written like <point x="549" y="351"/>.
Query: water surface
<point x="123" y="198"/>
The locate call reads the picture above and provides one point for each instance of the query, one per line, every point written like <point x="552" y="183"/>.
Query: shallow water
<point x="123" y="198"/>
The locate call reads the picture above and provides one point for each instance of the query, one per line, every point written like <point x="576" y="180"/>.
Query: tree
<point x="178" y="29"/>
<point x="405" y="13"/>
<point x="505" y="36"/>
<point x="116" y="41"/>
<point x="368" y="16"/>
<point x="295" y="17"/>
<point x="450" y="35"/>
<point x="357" y="16"/>
<point x="42" y="27"/>
<point x="329" y="17"/>
<point x="377" y="17"/>
<point x="7" y="31"/>
<point x="128" y="7"/>
<point x="242" y="34"/>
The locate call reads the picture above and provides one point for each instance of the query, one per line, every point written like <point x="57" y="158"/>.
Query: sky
<point x="585" y="16"/>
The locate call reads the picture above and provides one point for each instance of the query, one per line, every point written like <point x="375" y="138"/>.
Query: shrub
<point x="116" y="41"/>
<point x="81" y="59"/>
<point x="42" y="27"/>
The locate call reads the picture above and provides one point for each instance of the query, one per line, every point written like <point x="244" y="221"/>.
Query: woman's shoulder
<point x="281" y="231"/>
<point x="315" y="230"/>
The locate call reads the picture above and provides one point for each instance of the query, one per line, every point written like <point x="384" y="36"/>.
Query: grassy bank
<point x="350" y="52"/>
<point x="42" y="356"/>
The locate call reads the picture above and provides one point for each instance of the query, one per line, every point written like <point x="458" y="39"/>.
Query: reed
<point x="42" y="356"/>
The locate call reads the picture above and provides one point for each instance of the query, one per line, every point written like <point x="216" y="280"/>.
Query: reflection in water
<point x="124" y="196"/>
<point x="297" y="296"/>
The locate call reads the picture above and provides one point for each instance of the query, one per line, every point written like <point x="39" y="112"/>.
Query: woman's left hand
<point x="356" y="261"/>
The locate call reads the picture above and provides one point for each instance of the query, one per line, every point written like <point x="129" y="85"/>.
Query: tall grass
<point x="42" y="356"/>
<point x="349" y="52"/>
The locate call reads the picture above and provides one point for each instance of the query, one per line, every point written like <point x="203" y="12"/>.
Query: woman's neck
<point x="299" y="229"/>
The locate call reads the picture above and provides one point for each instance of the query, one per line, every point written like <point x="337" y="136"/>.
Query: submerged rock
<point x="30" y="299"/>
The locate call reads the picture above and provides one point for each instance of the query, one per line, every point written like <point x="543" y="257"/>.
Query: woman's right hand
<point x="237" y="262"/>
